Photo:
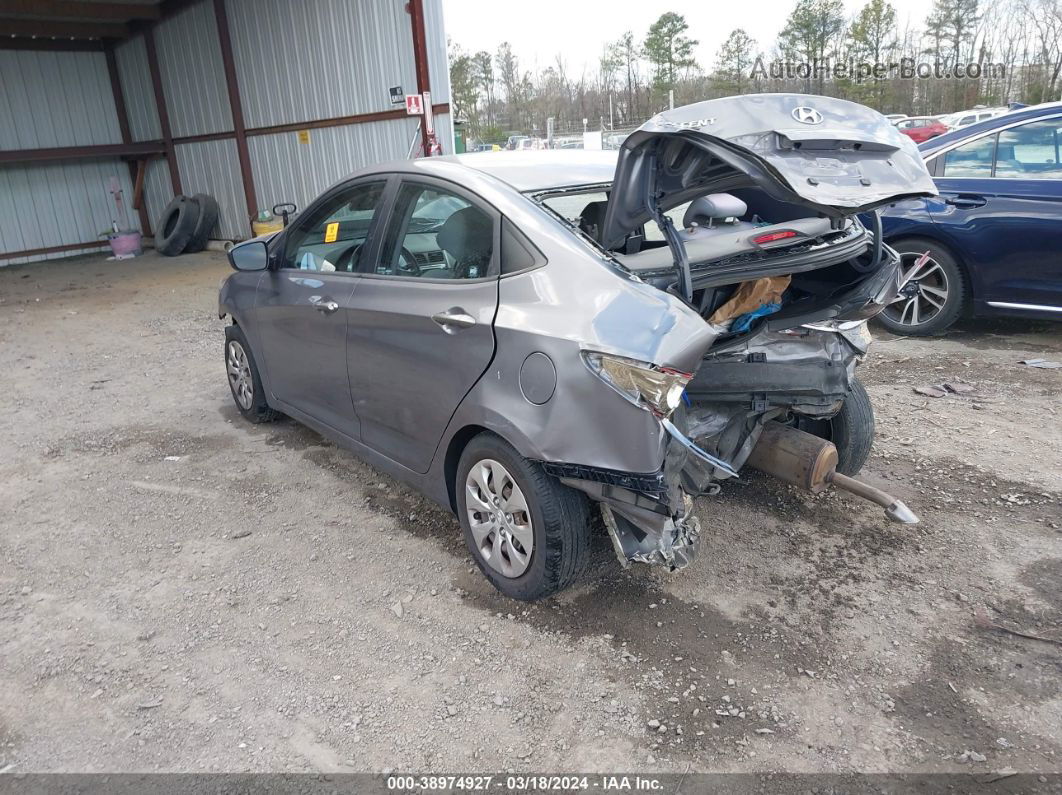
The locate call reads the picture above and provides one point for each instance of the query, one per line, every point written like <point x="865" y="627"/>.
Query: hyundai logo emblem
<point x="806" y="115"/>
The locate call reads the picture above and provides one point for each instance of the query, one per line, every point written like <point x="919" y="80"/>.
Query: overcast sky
<point x="578" y="29"/>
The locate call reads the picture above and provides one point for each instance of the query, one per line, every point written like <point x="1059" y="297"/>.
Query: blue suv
<point x="991" y="243"/>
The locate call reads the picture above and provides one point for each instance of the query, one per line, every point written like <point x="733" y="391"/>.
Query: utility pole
<point x="671" y="99"/>
<point x="611" y="118"/>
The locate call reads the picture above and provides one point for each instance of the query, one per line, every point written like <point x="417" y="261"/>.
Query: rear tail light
<point x="771" y="237"/>
<point x="657" y="389"/>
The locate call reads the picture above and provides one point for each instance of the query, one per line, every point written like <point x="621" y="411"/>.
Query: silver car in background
<point x="528" y="338"/>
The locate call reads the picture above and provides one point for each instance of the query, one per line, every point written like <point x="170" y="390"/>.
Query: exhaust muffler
<point x="810" y="462"/>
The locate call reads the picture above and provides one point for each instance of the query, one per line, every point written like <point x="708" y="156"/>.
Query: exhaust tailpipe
<point x="810" y="462"/>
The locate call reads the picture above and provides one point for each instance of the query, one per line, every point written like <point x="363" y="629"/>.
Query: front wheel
<point x="528" y="533"/>
<point x="851" y="429"/>
<point x="245" y="382"/>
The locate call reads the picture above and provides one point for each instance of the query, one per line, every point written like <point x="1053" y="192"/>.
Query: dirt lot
<point x="182" y="591"/>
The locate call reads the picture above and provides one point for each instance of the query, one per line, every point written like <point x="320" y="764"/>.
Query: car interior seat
<point x="468" y="237"/>
<point x="714" y="214"/>
<point x="592" y="218"/>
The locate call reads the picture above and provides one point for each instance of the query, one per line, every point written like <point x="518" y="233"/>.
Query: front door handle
<point x="454" y="319"/>
<point x="325" y="305"/>
<point x="967" y="201"/>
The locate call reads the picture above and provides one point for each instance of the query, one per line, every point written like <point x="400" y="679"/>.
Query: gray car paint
<point x="851" y="160"/>
<point x="577" y="298"/>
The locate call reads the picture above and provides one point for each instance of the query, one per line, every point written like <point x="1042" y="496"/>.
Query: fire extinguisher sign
<point x="414" y="105"/>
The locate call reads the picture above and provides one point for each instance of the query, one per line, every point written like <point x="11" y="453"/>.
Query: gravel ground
<point x="183" y="591"/>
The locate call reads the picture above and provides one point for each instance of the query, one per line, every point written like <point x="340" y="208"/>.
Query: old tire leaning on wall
<point x="208" y="219"/>
<point x="176" y="225"/>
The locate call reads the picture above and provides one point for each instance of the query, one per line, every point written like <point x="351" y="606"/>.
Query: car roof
<point x="1002" y="120"/>
<point x="542" y="169"/>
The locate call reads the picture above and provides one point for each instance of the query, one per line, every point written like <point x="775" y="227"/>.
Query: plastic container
<point x="125" y="244"/>
<point x="266" y="223"/>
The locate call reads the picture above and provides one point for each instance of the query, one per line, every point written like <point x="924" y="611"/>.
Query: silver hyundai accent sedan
<point x="532" y="337"/>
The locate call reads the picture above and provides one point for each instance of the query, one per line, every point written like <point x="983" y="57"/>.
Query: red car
<point x="921" y="128"/>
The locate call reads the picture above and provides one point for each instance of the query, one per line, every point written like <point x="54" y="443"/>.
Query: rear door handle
<point x="454" y="319"/>
<point x="325" y="305"/>
<point x="967" y="201"/>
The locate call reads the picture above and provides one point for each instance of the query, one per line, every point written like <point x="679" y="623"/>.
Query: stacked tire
<point x="186" y="225"/>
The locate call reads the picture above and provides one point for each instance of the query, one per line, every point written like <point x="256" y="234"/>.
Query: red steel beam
<point x="243" y="154"/>
<point x="51" y="45"/>
<point x="70" y="9"/>
<point x="420" y="59"/>
<point x="67" y="30"/>
<point x="31" y="252"/>
<point x="143" y="149"/>
<point x="136" y="170"/>
<point x="164" y="116"/>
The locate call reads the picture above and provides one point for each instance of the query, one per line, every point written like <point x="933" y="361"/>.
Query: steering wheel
<point x="344" y="260"/>
<point x="407" y="263"/>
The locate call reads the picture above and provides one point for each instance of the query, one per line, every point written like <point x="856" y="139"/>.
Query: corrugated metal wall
<point x="57" y="99"/>
<point x="295" y="62"/>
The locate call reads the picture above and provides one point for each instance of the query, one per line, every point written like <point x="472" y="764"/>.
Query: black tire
<point x="204" y="225"/>
<point x="851" y="430"/>
<point x="950" y="277"/>
<point x="176" y="225"/>
<point x="560" y="522"/>
<point x="255" y="409"/>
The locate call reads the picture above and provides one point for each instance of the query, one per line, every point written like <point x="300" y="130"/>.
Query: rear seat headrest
<point x="714" y="206"/>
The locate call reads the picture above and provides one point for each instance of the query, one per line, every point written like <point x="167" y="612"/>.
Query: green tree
<point x="811" y="35"/>
<point x="464" y="87"/>
<point x="734" y="62"/>
<point x="872" y="39"/>
<point x="484" y="71"/>
<point x="669" y="50"/>
<point x="509" y="73"/>
<point x="626" y="53"/>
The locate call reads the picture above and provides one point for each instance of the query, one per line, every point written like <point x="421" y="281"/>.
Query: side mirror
<point x="250" y="256"/>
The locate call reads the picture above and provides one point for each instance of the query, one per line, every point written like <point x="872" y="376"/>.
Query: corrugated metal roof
<point x="213" y="167"/>
<point x="319" y="59"/>
<point x="285" y="170"/>
<point x="135" y="77"/>
<point x="50" y="99"/>
<point x="193" y="76"/>
<point x="438" y="64"/>
<point x="58" y="203"/>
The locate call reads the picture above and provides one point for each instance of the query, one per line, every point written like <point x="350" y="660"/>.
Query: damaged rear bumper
<point x="649" y="516"/>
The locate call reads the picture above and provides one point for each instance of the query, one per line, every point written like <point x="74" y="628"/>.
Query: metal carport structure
<point x="252" y="101"/>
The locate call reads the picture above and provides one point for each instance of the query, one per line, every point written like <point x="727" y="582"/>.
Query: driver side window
<point x="332" y="238"/>
<point x="436" y="234"/>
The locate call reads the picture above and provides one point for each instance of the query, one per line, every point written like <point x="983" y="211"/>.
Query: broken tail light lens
<point x="658" y="389"/>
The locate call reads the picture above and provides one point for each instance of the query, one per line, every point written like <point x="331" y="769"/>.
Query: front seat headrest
<point x="468" y="234"/>
<point x="592" y="217"/>
<point x="714" y="206"/>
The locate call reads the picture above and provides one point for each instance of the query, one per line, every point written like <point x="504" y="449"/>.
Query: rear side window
<point x="517" y="253"/>
<point x="1030" y="151"/>
<point x="436" y="234"/>
<point x="973" y="159"/>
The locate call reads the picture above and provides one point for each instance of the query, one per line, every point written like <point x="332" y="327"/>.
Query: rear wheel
<point x="851" y="429"/>
<point x="528" y="533"/>
<point x="934" y="294"/>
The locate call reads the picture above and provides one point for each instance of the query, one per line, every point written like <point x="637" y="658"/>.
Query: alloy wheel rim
<point x="924" y="294"/>
<point x="239" y="370"/>
<point x="499" y="518"/>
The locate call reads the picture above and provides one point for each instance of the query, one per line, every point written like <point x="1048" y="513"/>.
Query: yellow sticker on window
<point x="332" y="232"/>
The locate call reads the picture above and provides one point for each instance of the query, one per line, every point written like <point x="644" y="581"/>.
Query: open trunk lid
<point x="835" y="157"/>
